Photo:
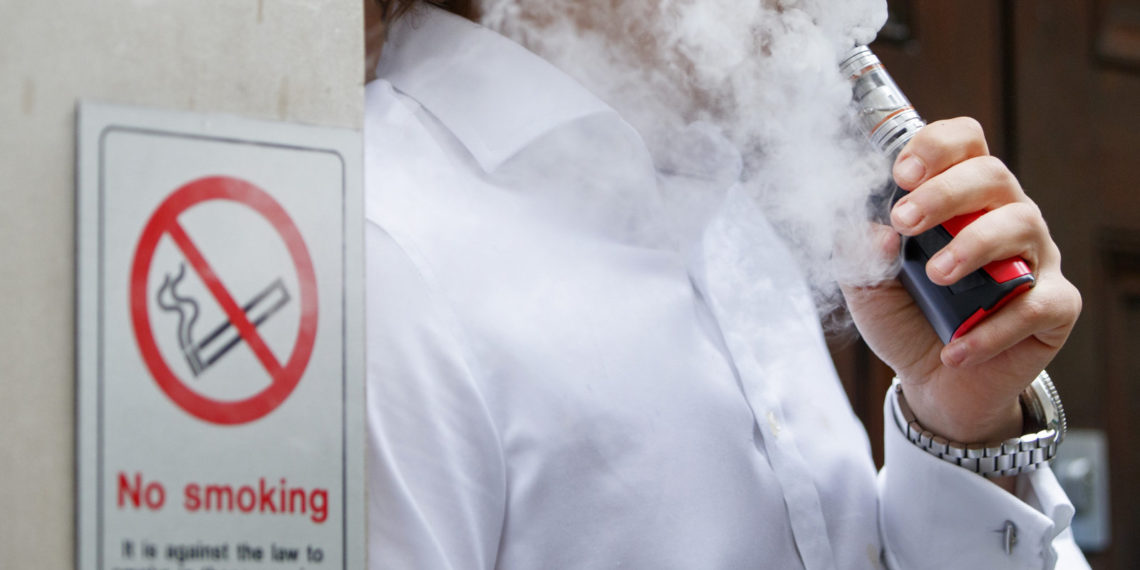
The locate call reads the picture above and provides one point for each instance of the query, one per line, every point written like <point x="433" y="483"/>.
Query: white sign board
<point x="220" y="356"/>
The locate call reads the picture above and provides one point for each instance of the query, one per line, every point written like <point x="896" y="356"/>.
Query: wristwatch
<point x="1043" y="411"/>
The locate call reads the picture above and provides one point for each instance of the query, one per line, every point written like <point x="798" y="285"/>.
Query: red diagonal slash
<point x="236" y="315"/>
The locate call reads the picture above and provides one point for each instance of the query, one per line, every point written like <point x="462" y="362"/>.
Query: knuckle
<point x="970" y="125"/>
<point x="964" y="135"/>
<point x="1023" y="222"/>
<point x="1075" y="302"/>
<point x="1038" y="308"/>
<point x="1026" y="216"/>
<point x="993" y="168"/>
<point x="976" y="141"/>
<point x="1034" y="211"/>
<point x="1052" y="250"/>
<point x="1059" y="305"/>
<point x="937" y="138"/>
<point x="1038" y="233"/>
<point x="989" y="165"/>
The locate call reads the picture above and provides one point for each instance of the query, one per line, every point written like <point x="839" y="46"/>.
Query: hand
<point x="967" y="391"/>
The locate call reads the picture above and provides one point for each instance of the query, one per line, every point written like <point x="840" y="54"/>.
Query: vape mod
<point x="890" y="122"/>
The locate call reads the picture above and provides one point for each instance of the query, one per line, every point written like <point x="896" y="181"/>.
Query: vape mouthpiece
<point x="888" y="118"/>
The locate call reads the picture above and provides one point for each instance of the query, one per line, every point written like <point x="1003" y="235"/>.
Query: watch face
<point x="1043" y="403"/>
<point x="1061" y="420"/>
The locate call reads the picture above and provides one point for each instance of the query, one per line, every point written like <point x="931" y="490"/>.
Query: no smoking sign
<point x="220" y="343"/>
<point x="202" y="348"/>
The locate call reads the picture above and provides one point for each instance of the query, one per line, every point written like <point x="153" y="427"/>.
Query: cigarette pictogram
<point x="200" y="355"/>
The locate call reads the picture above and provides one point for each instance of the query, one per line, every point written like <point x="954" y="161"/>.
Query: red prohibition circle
<point x="284" y="378"/>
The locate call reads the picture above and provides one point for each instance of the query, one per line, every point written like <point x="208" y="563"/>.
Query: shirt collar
<point x="491" y="93"/>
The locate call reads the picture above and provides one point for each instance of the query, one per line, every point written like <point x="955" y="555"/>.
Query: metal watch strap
<point x="1014" y="456"/>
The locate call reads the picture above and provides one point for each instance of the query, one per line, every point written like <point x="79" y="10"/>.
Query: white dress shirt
<point x="549" y="390"/>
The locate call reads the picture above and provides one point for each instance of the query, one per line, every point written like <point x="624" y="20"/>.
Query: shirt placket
<point x="764" y="371"/>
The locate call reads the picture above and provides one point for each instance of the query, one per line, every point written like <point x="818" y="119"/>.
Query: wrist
<point x="963" y="419"/>
<point x="995" y="459"/>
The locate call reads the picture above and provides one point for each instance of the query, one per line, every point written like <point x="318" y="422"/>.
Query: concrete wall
<point x="292" y="60"/>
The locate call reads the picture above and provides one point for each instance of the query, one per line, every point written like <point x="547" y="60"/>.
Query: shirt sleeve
<point x="934" y="514"/>
<point x="436" y="476"/>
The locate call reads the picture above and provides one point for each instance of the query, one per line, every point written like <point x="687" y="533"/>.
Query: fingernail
<point x="909" y="171"/>
<point x="954" y="354"/>
<point x="906" y="214"/>
<point x="944" y="262"/>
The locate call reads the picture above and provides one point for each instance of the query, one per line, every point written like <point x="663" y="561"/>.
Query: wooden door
<point x="1076" y="69"/>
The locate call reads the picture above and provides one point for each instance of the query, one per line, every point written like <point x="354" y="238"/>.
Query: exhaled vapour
<point x="759" y="77"/>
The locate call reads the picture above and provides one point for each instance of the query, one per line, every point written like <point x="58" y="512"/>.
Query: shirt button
<point x="774" y="423"/>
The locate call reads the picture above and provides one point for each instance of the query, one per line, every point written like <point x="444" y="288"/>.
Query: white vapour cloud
<point x="759" y="76"/>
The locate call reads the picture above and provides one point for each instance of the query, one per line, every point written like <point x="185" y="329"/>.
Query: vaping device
<point x="890" y="121"/>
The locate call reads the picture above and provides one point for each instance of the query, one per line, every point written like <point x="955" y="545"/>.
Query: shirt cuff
<point x="934" y="514"/>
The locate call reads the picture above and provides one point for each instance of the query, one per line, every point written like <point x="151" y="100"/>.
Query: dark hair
<point x="393" y="9"/>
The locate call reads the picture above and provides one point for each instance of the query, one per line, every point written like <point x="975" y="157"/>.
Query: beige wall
<point x="292" y="60"/>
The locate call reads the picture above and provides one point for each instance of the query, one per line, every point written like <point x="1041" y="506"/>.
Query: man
<point x="553" y="385"/>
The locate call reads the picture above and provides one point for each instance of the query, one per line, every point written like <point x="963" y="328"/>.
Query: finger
<point x="1043" y="316"/>
<point x="937" y="147"/>
<point x="1014" y="230"/>
<point x="976" y="184"/>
